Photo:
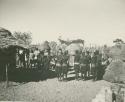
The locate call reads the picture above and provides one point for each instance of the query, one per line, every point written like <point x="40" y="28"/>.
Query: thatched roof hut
<point x="7" y="39"/>
<point x="41" y="47"/>
<point x="115" y="72"/>
<point x="72" y="48"/>
<point x="9" y="46"/>
<point x="4" y="32"/>
<point x="117" y="52"/>
<point x="71" y="41"/>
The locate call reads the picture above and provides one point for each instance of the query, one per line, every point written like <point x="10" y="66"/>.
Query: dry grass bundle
<point x="115" y="72"/>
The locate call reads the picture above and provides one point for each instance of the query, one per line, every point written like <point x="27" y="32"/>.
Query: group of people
<point x="90" y="64"/>
<point x="86" y="64"/>
<point x="41" y="60"/>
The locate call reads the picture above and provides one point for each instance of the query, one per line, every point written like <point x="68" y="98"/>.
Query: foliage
<point x="46" y="45"/>
<point x="24" y="37"/>
<point x="120" y="41"/>
<point x="53" y="46"/>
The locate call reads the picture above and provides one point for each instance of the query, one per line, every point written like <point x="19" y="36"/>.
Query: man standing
<point x="46" y="63"/>
<point x="99" y="65"/>
<point x="87" y="62"/>
<point x="59" y="61"/>
<point x="83" y="65"/>
<point x="65" y="64"/>
<point x="93" y="65"/>
<point x="36" y="53"/>
<point x="77" y="64"/>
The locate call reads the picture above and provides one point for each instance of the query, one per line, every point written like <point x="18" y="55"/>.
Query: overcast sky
<point x="95" y="21"/>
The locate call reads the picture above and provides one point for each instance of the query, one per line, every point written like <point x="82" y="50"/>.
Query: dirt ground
<point x="51" y="90"/>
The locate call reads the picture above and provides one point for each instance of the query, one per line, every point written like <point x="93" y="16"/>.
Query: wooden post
<point x="6" y="76"/>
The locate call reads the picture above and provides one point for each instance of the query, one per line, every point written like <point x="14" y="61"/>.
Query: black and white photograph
<point x="62" y="50"/>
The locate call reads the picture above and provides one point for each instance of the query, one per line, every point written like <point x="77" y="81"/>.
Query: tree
<point x="24" y="37"/>
<point x="53" y="46"/>
<point x="46" y="46"/>
<point x="118" y="41"/>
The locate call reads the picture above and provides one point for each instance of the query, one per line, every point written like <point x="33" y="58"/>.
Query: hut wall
<point x="7" y="57"/>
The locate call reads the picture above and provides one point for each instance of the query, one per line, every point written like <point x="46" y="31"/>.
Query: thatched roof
<point x="4" y="32"/>
<point x="72" y="48"/>
<point x="115" y="72"/>
<point x="117" y="52"/>
<point x="7" y="40"/>
<point x="71" y="41"/>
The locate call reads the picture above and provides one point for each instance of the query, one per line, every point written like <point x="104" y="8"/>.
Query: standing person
<point x="46" y="63"/>
<point x="65" y="64"/>
<point x="87" y="62"/>
<point x="83" y="66"/>
<point x="36" y="53"/>
<point x="31" y="57"/>
<point x="40" y="59"/>
<point x="21" y="58"/>
<point x="93" y="66"/>
<point x="27" y="58"/>
<point x="99" y="65"/>
<point x="59" y="61"/>
<point x="77" y="64"/>
<point x="105" y="63"/>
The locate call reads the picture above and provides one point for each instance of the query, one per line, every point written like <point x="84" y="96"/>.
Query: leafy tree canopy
<point x="23" y="37"/>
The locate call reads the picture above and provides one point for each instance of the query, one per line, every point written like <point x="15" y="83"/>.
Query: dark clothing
<point x="40" y="61"/>
<point x="46" y="65"/>
<point x="65" y="64"/>
<point x="94" y="59"/>
<point x="82" y="60"/>
<point x="76" y="68"/>
<point x="87" y="59"/>
<point x="87" y="63"/>
<point x="59" y="61"/>
<point x="77" y="65"/>
<point x="83" y="67"/>
<point x="77" y="58"/>
<point x="46" y="62"/>
<point x="65" y="59"/>
<point x="99" y="67"/>
<point x="94" y="67"/>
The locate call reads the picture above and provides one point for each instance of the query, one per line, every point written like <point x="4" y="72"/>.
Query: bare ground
<point x="52" y="90"/>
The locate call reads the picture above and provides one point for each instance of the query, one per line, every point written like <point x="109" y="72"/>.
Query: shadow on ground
<point x="27" y="75"/>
